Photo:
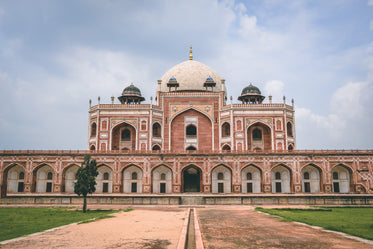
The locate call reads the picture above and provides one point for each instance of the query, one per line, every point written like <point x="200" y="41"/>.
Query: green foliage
<point x="16" y="222"/>
<point x="357" y="221"/>
<point x="86" y="183"/>
<point x="86" y="175"/>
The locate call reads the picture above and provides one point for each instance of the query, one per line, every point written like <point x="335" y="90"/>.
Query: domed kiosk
<point x="251" y="95"/>
<point x="131" y="95"/>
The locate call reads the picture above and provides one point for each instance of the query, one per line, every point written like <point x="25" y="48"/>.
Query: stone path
<point x="141" y="228"/>
<point x="160" y="227"/>
<point x="244" y="228"/>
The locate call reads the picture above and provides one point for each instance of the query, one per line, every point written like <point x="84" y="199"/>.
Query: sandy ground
<point x="141" y="228"/>
<point x="244" y="228"/>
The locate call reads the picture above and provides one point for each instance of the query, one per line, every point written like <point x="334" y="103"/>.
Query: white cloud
<point x="276" y="89"/>
<point x="370" y="3"/>
<point x="248" y="27"/>
<point x="350" y="114"/>
<point x="346" y="101"/>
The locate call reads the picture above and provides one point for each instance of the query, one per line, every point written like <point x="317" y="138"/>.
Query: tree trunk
<point x="84" y="203"/>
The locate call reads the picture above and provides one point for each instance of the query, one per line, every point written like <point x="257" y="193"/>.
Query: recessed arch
<point x="190" y="127"/>
<point x="132" y="179"/>
<point x="226" y="129"/>
<point x="69" y="178"/>
<point x="13" y="179"/>
<point x="123" y="135"/>
<point x="281" y="176"/>
<point x="251" y="178"/>
<point x="157" y="130"/>
<point x="156" y="147"/>
<point x="191" y="130"/>
<point x="341" y="178"/>
<point x="191" y="148"/>
<point x="93" y="129"/>
<point x="42" y="182"/>
<point x="192" y="178"/>
<point x="259" y="136"/>
<point x="104" y="179"/>
<point x="162" y="179"/>
<point x="226" y="147"/>
<point x="289" y="129"/>
<point x="221" y="184"/>
<point x="311" y="178"/>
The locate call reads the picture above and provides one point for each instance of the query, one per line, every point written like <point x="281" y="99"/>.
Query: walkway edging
<point x="184" y="231"/>
<point x="197" y="231"/>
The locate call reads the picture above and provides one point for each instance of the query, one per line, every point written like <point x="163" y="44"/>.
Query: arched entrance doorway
<point x="192" y="179"/>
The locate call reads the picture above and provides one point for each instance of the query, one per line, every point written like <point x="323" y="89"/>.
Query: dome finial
<point x="190" y="53"/>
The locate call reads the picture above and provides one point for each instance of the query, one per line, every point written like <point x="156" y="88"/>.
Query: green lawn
<point x="357" y="221"/>
<point x="16" y="222"/>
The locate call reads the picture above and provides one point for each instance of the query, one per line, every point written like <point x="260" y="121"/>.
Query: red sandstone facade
<point x="191" y="140"/>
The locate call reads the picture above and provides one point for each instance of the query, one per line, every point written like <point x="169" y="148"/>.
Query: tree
<point x="86" y="179"/>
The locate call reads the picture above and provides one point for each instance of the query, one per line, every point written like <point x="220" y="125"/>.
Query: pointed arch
<point x="341" y="178"/>
<point x="41" y="178"/>
<point x="123" y="135"/>
<point x="13" y="179"/>
<point x="189" y="128"/>
<point x="69" y="177"/>
<point x="93" y="129"/>
<point x="161" y="179"/>
<point x="157" y="129"/>
<point x="281" y="177"/>
<point x="226" y="147"/>
<point x="290" y="129"/>
<point x="251" y="178"/>
<point x="226" y="129"/>
<point x="221" y="184"/>
<point x="311" y="176"/>
<point x="191" y="178"/>
<point x="104" y="179"/>
<point x="259" y="136"/>
<point x="132" y="179"/>
<point x="156" y="147"/>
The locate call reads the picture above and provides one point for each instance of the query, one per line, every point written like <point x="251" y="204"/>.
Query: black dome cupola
<point x="251" y="95"/>
<point x="131" y="95"/>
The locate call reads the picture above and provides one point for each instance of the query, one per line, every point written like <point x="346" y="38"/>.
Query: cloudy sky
<point x="56" y="55"/>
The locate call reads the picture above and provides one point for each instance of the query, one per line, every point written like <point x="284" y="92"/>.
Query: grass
<point x="357" y="221"/>
<point x="16" y="222"/>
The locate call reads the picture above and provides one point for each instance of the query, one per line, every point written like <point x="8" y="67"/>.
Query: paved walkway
<point x="245" y="228"/>
<point x="141" y="228"/>
<point x="160" y="227"/>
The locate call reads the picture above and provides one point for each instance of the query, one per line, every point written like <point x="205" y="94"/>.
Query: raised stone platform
<point x="194" y="199"/>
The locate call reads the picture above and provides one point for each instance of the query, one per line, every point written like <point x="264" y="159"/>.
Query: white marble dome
<point x="191" y="75"/>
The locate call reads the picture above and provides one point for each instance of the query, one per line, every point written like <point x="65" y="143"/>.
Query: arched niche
<point x="104" y="180"/>
<point x="221" y="179"/>
<point x="69" y="178"/>
<point x="132" y="179"/>
<point x="192" y="179"/>
<point x="311" y="176"/>
<point x="251" y="178"/>
<point x="123" y="137"/>
<point x="14" y="178"/>
<point x="341" y="176"/>
<point x="259" y="137"/>
<point x="162" y="179"/>
<point x="43" y="179"/>
<point x="191" y="128"/>
<point x="281" y="179"/>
